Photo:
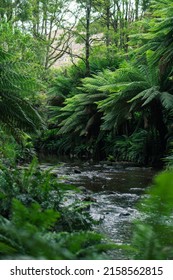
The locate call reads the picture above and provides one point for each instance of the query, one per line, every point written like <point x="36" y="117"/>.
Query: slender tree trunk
<point x="108" y="24"/>
<point x="87" y="42"/>
<point x="36" y="18"/>
<point x="136" y="9"/>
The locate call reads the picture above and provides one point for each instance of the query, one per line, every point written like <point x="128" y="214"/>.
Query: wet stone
<point x="76" y="171"/>
<point x="124" y="214"/>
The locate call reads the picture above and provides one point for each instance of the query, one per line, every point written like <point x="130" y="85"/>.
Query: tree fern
<point x="136" y="85"/>
<point x="79" y="112"/>
<point x="16" y="113"/>
<point x="159" y="39"/>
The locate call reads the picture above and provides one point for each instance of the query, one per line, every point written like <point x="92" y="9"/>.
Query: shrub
<point x="152" y="236"/>
<point x="32" y="185"/>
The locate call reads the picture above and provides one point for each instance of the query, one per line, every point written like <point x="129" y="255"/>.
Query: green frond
<point x="134" y="86"/>
<point x="16" y="113"/>
<point x="94" y="83"/>
<point x="167" y="100"/>
<point x="148" y="95"/>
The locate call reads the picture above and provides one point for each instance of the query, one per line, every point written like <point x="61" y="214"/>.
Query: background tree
<point x="46" y="21"/>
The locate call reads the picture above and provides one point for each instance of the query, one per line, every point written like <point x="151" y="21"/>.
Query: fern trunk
<point x="158" y="118"/>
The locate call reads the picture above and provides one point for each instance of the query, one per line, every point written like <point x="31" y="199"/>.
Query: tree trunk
<point x="157" y="116"/>
<point x="87" y="42"/>
<point x="108" y="24"/>
<point x="136" y="9"/>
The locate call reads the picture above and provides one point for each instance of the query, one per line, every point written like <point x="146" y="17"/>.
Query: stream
<point x="114" y="188"/>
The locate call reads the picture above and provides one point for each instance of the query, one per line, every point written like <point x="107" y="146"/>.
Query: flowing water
<point x="114" y="189"/>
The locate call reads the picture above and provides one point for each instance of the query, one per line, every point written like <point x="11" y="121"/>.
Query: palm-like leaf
<point x="159" y="39"/>
<point x="133" y="89"/>
<point x="16" y="113"/>
<point x="80" y="110"/>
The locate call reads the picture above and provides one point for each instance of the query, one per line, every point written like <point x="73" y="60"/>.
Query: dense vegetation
<point x="114" y="101"/>
<point x="122" y="106"/>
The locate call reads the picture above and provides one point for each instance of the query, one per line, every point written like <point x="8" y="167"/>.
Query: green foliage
<point x="130" y="83"/>
<point x="72" y="107"/>
<point x="34" y="223"/>
<point x="22" y="46"/>
<point x="16" y="113"/>
<point x="27" y="236"/>
<point x="28" y="185"/>
<point x="142" y="147"/>
<point x="136" y="96"/>
<point x="34" y="215"/>
<point x="32" y="185"/>
<point x="116" y="101"/>
<point x="102" y="58"/>
<point x="153" y="235"/>
<point x="159" y="39"/>
<point x="123" y="110"/>
<point x="124" y="93"/>
<point x="75" y="217"/>
<point x="168" y="159"/>
<point x="12" y="152"/>
<point x="65" y="82"/>
<point x="132" y="148"/>
<point x="8" y="147"/>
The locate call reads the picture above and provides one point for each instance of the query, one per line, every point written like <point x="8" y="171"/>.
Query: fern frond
<point x="16" y="113"/>
<point x="167" y="100"/>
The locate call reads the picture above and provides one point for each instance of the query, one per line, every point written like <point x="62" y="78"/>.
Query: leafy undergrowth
<point x="152" y="237"/>
<point x="34" y="224"/>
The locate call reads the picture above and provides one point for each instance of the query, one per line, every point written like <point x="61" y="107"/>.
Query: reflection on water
<point x="115" y="190"/>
